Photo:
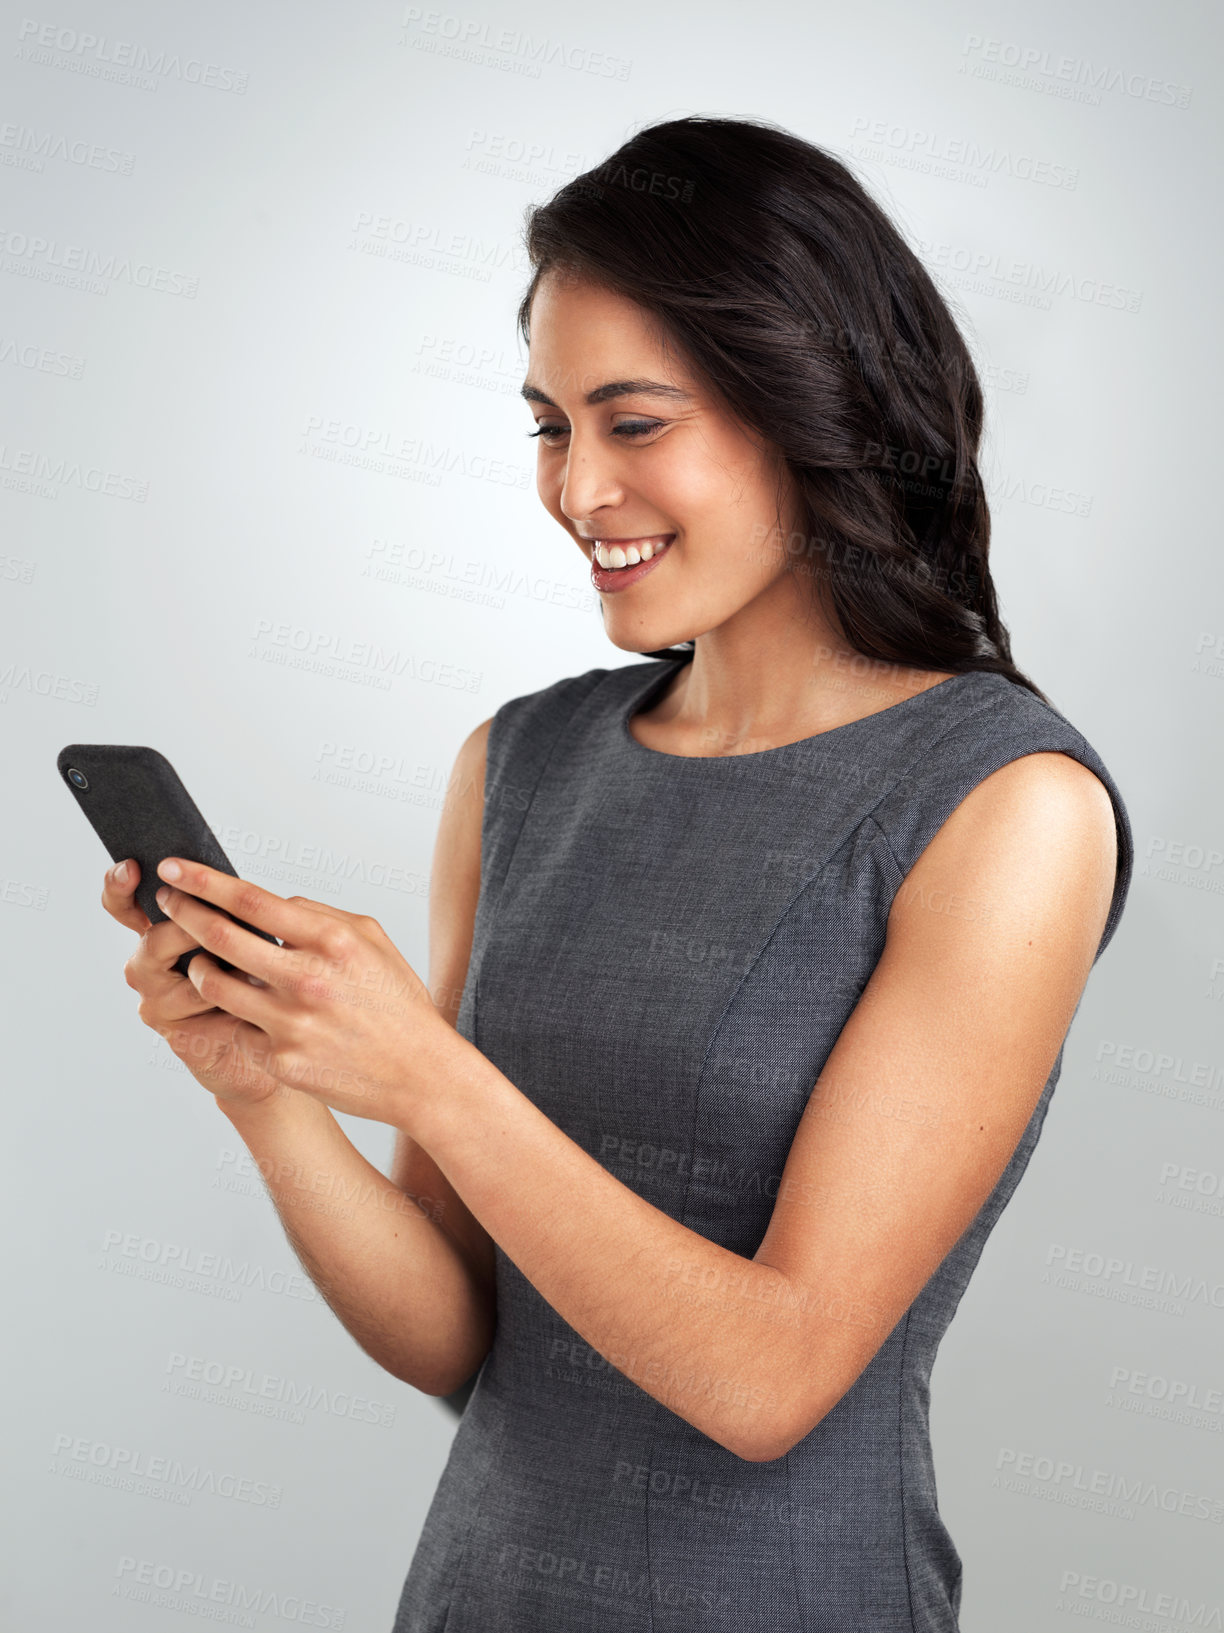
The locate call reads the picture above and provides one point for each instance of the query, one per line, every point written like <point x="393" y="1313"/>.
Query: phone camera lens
<point x="77" y="778"/>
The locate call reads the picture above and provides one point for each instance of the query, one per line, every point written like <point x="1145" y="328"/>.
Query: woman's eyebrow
<point x="614" y="388"/>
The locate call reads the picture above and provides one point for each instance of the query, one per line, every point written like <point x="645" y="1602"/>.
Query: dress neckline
<point x="641" y="696"/>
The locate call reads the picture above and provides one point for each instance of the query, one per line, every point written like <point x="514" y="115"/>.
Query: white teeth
<point x="615" y="555"/>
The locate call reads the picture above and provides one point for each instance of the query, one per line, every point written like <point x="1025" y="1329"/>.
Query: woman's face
<point x="645" y="465"/>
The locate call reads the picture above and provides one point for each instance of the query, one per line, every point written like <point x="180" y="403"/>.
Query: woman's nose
<point x="592" y="481"/>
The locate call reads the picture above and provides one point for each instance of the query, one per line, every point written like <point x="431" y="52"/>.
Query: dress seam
<point x="1075" y="747"/>
<point x="714" y="1031"/>
<point x="535" y="789"/>
<point x="494" y="1462"/>
<point x="909" y="1585"/>
<point x="922" y="753"/>
<point x="892" y="855"/>
<point x="800" y="1618"/>
<point x="498" y="1451"/>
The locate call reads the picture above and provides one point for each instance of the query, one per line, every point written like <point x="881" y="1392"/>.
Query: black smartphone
<point x="139" y="808"/>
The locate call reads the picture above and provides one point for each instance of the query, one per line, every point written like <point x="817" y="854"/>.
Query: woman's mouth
<point x="618" y="563"/>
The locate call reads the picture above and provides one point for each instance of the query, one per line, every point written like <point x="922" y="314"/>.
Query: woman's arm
<point x="395" y="1278"/>
<point x="454" y="889"/>
<point x="400" y="1260"/>
<point x="963" y="1018"/>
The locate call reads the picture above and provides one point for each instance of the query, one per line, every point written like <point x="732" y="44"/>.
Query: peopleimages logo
<point x="48" y="260"/>
<point x="230" y="1384"/>
<point x="28" y="147"/>
<point x="1131" y="1599"/>
<point x="954" y="156"/>
<point x="1107" y="1275"/>
<point x="1076" y="1484"/>
<point x="171" y="1587"/>
<point x="133" y="1470"/>
<point x="98" y="56"/>
<point x="634" y="1587"/>
<point x="1077" y="78"/>
<point x="30" y="469"/>
<point x="1026" y="282"/>
<point x="1178" y="1393"/>
<point x="179" y="1265"/>
<point x="44" y="359"/>
<point x="469" y="39"/>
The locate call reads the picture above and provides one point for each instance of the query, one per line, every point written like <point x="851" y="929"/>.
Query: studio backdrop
<point x="269" y="507"/>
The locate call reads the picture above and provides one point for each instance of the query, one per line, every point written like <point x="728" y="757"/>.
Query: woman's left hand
<point x="336" y="1012"/>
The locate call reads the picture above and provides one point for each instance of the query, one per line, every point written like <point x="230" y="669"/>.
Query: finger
<point x="119" y="896"/>
<point x="235" y="994"/>
<point x="295" y="924"/>
<point x="162" y="946"/>
<point x="150" y="971"/>
<point x="224" y="939"/>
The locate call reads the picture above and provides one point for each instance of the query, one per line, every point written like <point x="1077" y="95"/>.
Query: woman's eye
<point x="631" y="428"/>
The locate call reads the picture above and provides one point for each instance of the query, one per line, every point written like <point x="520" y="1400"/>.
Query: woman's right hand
<point x="199" y="1034"/>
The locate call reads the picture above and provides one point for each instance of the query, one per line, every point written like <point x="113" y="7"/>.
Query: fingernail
<point x="169" y="870"/>
<point x="121" y="873"/>
<point x="162" y="896"/>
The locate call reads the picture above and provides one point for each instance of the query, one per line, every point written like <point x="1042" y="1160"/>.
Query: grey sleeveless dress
<point x="666" y="950"/>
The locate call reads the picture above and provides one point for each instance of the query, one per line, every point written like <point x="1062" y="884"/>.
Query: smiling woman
<point x="683" y="451"/>
<point x="780" y="938"/>
<point x="750" y="969"/>
<point x="775" y="290"/>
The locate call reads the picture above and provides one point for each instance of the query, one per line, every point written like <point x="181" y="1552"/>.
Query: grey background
<point x="269" y="506"/>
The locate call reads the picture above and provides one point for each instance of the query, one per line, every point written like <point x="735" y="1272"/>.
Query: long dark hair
<point x="800" y="304"/>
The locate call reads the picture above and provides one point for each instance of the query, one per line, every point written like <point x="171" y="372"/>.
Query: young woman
<point x="751" y="967"/>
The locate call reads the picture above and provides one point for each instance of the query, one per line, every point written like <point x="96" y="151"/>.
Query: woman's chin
<point x="635" y="641"/>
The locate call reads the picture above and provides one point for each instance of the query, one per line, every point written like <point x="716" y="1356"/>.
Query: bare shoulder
<point x="473" y="753"/>
<point x="1034" y="841"/>
<point x="1045" y="788"/>
<point x="455" y="876"/>
<point x="458" y="839"/>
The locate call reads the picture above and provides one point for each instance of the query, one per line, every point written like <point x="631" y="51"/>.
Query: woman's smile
<point x="618" y="563"/>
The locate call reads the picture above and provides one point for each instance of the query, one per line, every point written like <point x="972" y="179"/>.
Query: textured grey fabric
<point x="666" y="950"/>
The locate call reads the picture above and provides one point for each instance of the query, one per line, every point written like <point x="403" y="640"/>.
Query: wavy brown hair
<point x="800" y="306"/>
